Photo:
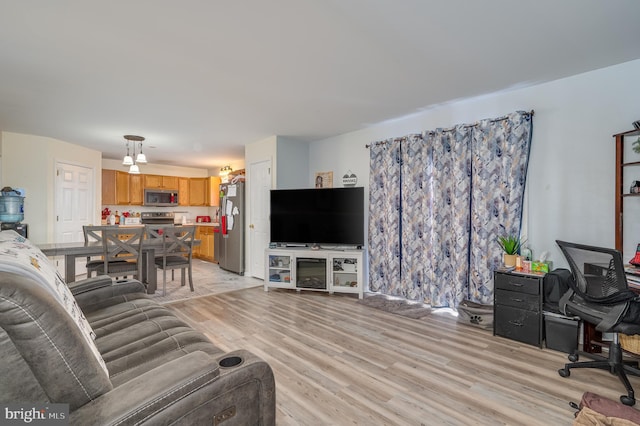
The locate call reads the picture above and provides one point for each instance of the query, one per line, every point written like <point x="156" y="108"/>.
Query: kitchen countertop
<point x="214" y="224"/>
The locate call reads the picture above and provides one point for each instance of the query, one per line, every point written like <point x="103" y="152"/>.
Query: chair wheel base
<point x="563" y="372"/>
<point x="573" y="357"/>
<point x="627" y="400"/>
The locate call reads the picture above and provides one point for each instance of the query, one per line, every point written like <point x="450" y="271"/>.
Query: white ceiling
<point x="201" y="78"/>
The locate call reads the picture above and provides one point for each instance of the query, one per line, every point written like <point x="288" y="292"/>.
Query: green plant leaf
<point x="510" y="244"/>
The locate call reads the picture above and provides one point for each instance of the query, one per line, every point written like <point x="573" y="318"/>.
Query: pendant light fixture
<point x="140" y="158"/>
<point x="128" y="160"/>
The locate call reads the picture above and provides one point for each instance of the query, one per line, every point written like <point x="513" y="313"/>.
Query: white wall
<point x="157" y="169"/>
<point x="29" y="162"/>
<point x="293" y="156"/>
<point x="571" y="169"/>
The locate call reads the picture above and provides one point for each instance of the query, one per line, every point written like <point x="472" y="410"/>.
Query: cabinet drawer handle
<point x="515" y="284"/>
<point x="513" y="299"/>
<point x="516" y="323"/>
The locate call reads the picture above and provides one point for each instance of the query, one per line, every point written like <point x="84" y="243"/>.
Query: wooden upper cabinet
<point x="108" y="187"/>
<point x="170" y="182"/>
<point x="214" y="191"/>
<point x="122" y="187"/>
<point x="115" y="187"/>
<point x="136" y="190"/>
<point x="160" y="182"/>
<point x="198" y="191"/>
<point x="183" y="192"/>
<point x="153" y="181"/>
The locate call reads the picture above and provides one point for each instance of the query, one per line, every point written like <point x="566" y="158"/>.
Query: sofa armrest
<point x="189" y="390"/>
<point x="101" y="294"/>
<point x="82" y="286"/>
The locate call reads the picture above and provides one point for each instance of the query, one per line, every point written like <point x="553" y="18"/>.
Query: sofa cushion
<point x="138" y="335"/>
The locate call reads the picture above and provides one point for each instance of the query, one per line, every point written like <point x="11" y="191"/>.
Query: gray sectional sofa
<point x="114" y="355"/>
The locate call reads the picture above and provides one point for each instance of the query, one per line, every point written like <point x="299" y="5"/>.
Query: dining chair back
<point x="177" y="253"/>
<point x="154" y="231"/>
<point x="122" y="252"/>
<point x="93" y="234"/>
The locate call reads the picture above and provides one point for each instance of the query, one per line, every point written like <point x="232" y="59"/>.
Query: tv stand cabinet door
<point x="280" y="269"/>
<point x="345" y="272"/>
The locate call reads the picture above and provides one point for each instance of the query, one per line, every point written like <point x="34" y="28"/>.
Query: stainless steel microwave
<point x="160" y="197"/>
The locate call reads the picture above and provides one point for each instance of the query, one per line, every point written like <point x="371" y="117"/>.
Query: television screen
<point x="318" y="216"/>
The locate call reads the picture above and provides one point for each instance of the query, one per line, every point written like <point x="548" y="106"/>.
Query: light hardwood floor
<point x="338" y="362"/>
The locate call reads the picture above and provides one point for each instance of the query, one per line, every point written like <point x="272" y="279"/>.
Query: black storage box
<point x="561" y="332"/>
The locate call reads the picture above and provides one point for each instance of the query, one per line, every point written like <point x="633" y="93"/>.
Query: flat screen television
<point x="318" y="216"/>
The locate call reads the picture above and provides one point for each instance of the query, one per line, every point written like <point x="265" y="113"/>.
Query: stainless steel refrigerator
<point x="231" y="249"/>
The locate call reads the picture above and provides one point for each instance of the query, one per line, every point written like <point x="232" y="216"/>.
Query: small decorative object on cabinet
<point x="517" y="306"/>
<point x="510" y="245"/>
<point x="335" y="271"/>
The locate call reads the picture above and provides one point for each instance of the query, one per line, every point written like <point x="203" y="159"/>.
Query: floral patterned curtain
<point x="438" y="201"/>
<point x="500" y="157"/>
<point x="384" y="216"/>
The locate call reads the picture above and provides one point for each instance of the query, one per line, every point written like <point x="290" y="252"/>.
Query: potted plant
<point x="510" y="245"/>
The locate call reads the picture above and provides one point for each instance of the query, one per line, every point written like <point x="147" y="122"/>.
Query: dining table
<point x="150" y="248"/>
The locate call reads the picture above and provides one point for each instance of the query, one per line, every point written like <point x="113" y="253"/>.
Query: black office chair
<point x="599" y="295"/>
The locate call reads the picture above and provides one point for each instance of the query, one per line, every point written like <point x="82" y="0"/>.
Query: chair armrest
<point x="89" y="284"/>
<point x="188" y="390"/>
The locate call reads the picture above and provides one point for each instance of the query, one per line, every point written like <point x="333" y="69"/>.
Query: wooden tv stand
<point x="302" y="268"/>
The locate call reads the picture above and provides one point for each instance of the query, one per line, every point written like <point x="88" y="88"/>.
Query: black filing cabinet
<point x="517" y="307"/>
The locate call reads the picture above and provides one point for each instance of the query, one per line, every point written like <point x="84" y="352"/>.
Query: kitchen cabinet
<point x="122" y="187"/>
<point x="160" y="182"/>
<point x="214" y="191"/>
<point x="183" y="191"/>
<point x="206" y="249"/>
<point x="115" y="187"/>
<point x="108" y="186"/>
<point x="198" y="191"/>
<point x="136" y="190"/>
<point x="196" y="249"/>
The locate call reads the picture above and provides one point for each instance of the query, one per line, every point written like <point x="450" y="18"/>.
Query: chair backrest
<point x="178" y="240"/>
<point x="598" y="272"/>
<point x="122" y="244"/>
<point x="154" y="231"/>
<point x="93" y="233"/>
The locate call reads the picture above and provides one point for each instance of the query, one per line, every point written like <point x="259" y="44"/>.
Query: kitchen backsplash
<point x="189" y="211"/>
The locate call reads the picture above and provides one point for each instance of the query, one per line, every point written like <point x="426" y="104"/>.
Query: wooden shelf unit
<point x="620" y="191"/>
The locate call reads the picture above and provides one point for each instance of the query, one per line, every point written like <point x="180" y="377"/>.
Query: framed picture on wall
<point x="324" y="180"/>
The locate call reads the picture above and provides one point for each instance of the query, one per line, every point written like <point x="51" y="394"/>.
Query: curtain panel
<point x="500" y="158"/>
<point x="438" y="201"/>
<point x="384" y="216"/>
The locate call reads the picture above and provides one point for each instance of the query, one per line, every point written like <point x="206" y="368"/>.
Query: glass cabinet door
<point x="279" y="268"/>
<point x="345" y="271"/>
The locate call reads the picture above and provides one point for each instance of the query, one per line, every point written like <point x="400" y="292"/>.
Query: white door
<point x="260" y="186"/>
<point x="74" y="205"/>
